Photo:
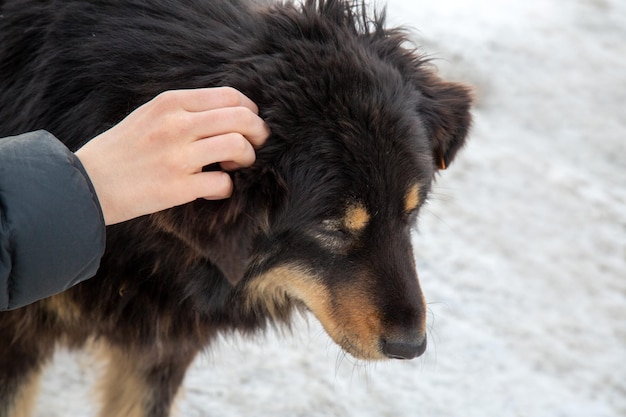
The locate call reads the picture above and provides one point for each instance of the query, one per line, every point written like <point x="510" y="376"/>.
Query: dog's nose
<point x="400" y="349"/>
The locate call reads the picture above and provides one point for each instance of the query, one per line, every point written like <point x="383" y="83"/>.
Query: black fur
<point x="356" y="118"/>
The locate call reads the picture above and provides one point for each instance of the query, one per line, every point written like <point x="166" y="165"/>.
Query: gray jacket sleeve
<point x="52" y="231"/>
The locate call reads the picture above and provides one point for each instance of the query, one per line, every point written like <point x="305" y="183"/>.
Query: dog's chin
<point x="352" y="345"/>
<point x="350" y="322"/>
<point x="359" y="349"/>
<point x="360" y="333"/>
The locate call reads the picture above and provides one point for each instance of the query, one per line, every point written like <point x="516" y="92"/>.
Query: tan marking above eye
<point x="356" y="218"/>
<point x="412" y="198"/>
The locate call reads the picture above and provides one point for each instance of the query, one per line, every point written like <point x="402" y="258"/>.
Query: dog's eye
<point x="331" y="235"/>
<point x="331" y="224"/>
<point x="334" y="228"/>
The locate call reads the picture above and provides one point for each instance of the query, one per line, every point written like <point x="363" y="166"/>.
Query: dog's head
<point x="360" y="125"/>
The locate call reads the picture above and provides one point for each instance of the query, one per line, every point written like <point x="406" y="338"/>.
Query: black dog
<point x="360" y="124"/>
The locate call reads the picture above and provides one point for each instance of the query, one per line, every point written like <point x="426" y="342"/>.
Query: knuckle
<point x="235" y="117"/>
<point x="239" y="149"/>
<point x="234" y="143"/>
<point x="183" y="123"/>
<point x="163" y="102"/>
<point x="229" y="97"/>
<point x="223" y="185"/>
<point x="239" y="114"/>
<point x="255" y="120"/>
<point x="240" y="143"/>
<point x="251" y="157"/>
<point x="164" y="97"/>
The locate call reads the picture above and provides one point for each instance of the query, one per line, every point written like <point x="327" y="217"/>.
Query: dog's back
<point x="322" y="221"/>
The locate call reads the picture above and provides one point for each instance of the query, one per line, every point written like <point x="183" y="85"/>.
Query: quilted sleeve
<point x="52" y="232"/>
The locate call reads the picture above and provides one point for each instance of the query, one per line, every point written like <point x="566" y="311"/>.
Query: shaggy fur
<point x="360" y="124"/>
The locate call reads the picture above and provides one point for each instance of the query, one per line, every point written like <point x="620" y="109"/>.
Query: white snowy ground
<point x="521" y="251"/>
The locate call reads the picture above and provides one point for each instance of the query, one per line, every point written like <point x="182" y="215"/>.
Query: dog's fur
<point x="360" y="124"/>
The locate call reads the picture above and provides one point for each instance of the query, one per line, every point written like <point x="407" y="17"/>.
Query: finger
<point x="204" y="99"/>
<point x="232" y="166"/>
<point x="214" y="185"/>
<point x="228" y="120"/>
<point x="230" y="148"/>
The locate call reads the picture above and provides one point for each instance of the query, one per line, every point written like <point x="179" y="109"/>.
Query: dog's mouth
<point x="353" y="322"/>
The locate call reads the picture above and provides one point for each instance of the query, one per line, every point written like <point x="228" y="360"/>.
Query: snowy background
<point x="521" y="250"/>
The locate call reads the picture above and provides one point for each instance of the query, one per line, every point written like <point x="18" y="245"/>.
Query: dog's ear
<point x="444" y="106"/>
<point x="244" y="217"/>
<point x="223" y="232"/>
<point x="445" y="111"/>
<point x="230" y="242"/>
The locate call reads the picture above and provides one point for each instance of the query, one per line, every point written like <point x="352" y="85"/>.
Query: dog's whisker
<point x="433" y="335"/>
<point x="341" y="355"/>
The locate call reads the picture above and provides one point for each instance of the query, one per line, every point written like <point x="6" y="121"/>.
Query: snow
<point x="521" y="249"/>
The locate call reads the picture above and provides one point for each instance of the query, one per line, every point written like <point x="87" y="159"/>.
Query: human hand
<point x="153" y="159"/>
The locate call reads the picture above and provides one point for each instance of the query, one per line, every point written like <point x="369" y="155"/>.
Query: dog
<point x="360" y="121"/>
